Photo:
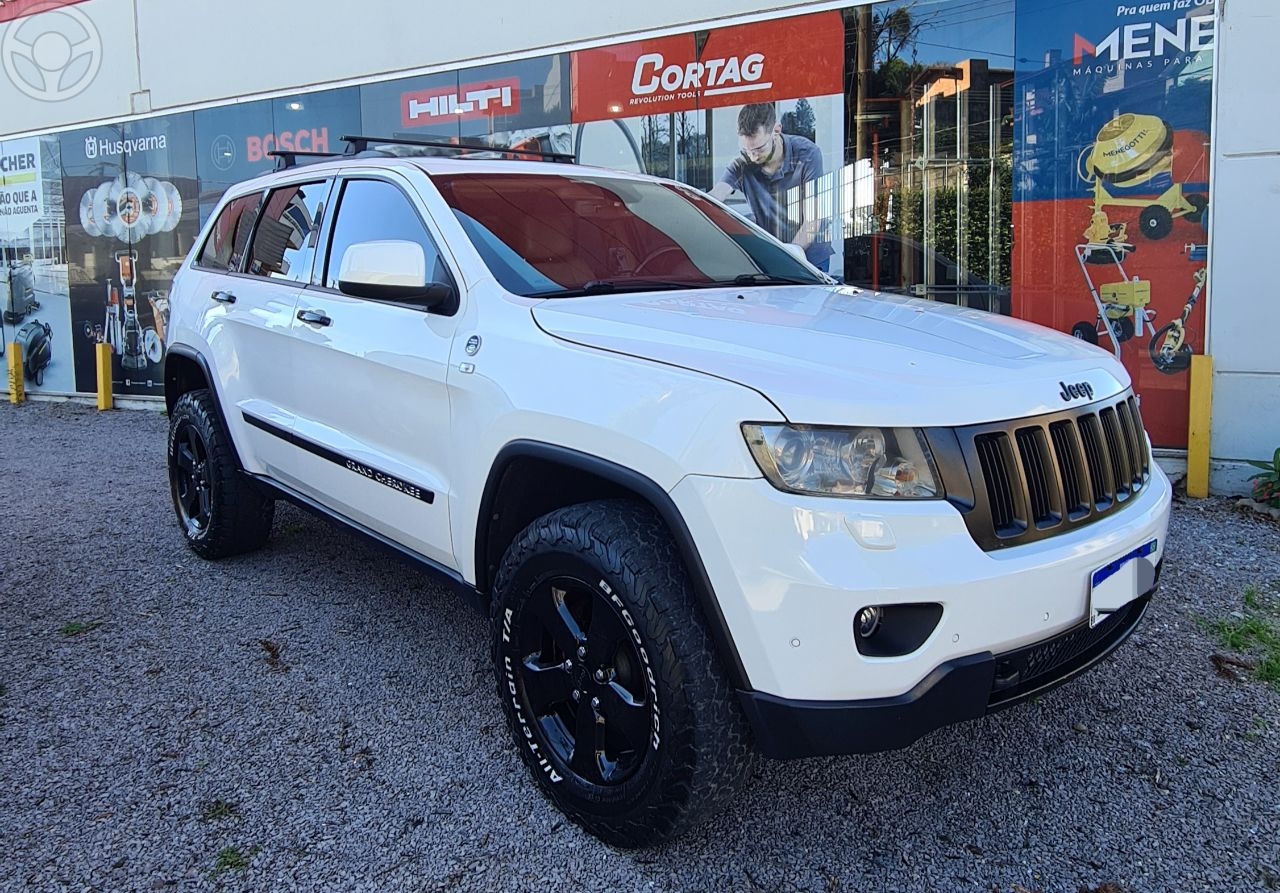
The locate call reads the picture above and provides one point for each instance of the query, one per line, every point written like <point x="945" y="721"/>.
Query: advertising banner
<point x="235" y="142"/>
<point x="522" y="103"/>
<point x="1111" y="186"/>
<point x="34" y="310"/>
<point x="754" y="114"/>
<point x="761" y="62"/>
<point x="131" y="217"/>
<point x="16" y="9"/>
<point x="21" y="195"/>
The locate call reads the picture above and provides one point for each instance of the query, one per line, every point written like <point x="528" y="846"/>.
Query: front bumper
<point x="790" y="574"/>
<point x="960" y="689"/>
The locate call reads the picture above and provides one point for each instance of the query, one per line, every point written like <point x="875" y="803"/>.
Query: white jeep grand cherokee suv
<point x="714" y="504"/>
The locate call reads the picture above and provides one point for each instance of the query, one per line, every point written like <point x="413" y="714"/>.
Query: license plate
<point x="1114" y="585"/>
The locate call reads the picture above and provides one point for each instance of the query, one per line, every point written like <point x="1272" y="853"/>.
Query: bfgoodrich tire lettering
<point x="220" y="510"/>
<point x="609" y="681"/>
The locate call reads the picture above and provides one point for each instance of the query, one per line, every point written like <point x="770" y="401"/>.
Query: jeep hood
<point x="836" y="355"/>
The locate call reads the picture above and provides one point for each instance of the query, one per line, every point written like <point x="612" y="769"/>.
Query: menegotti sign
<point x="802" y="56"/>
<point x="1142" y="44"/>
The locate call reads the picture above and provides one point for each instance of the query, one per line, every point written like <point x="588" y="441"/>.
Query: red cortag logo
<point x="800" y="56"/>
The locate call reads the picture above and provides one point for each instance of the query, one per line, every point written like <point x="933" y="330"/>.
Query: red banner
<point x="760" y="62"/>
<point x="16" y="9"/>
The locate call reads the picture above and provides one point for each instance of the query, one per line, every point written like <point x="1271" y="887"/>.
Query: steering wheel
<point x="654" y="255"/>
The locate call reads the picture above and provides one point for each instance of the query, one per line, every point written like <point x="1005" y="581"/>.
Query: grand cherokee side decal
<point x="387" y="480"/>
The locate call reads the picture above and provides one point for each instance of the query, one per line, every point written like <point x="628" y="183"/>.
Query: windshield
<point x="553" y="235"/>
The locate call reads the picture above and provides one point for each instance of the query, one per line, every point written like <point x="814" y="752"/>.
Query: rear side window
<point x="375" y="210"/>
<point x="285" y="240"/>
<point x="230" y="234"/>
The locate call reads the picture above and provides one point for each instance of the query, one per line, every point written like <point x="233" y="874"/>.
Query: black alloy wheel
<point x="191" y="479"/>
<point x="583" y="680"/>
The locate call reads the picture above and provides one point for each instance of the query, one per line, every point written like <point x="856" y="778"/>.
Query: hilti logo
<point x="500" y="97"/>
<point x="712" y="77"/>
<point x="1148" y="40"/>
<point x="312" y="140"/>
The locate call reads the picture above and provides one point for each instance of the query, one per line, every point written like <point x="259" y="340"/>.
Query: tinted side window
<point x="374" y="210"/>
<point x="285" y="240"/>
<point x="230" y="234"/>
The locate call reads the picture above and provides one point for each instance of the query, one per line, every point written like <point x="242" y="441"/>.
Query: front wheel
<point x="220" y="510"/>
<point x="608" y="678"/>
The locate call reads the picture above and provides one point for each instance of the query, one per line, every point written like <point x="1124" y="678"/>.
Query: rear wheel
<point x="220" y="510"/>
<point x="608" y="679"/>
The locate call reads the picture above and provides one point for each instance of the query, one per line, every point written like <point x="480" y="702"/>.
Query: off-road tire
<point x="701" y="747"/>
<point x="234" y="516"/>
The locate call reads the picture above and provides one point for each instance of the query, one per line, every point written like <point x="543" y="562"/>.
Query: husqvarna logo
<point x="1075" y="391"/>
<point x="90" y="147"/>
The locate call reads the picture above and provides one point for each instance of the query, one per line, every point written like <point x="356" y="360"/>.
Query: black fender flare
<point x="647" y="490"/>
<point x="190" y="353"/>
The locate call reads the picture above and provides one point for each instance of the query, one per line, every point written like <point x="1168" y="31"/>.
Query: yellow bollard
<point x="103" y="358"/>
<point x="1201" y="417"/>
<point x="17" y="391"/>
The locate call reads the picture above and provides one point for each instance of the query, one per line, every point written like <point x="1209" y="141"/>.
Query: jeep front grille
<point x="1028" y="479"/>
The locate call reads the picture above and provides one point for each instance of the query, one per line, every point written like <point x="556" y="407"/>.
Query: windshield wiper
<point x="770" y="279"/>
<point x="615" y="286"/>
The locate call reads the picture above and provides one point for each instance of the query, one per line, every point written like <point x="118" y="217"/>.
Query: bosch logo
<point x="315" y="139"/>
<point x="1075" y="391"/>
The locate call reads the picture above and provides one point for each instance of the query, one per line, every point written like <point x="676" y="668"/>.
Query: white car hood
<point x="836" y="355"/>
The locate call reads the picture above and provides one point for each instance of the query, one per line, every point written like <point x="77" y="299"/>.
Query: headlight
<point x="872" y="462"/>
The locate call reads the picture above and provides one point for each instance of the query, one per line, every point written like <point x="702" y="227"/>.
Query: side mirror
<point x="391" y="270"/>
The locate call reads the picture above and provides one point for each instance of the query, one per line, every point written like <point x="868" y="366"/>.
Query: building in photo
<point x="1111" y="171"/>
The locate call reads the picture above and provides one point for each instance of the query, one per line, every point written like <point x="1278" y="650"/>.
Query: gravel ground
<point x="168" y="748"/>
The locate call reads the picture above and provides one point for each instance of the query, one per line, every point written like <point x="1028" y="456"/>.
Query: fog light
<point x="869" y="621"/>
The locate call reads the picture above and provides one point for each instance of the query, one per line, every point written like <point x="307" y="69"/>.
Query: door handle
<point x="223" y="297"/>
<point x="314" y="317"/>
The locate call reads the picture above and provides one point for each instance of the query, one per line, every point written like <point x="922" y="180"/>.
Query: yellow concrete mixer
<point x="1131" y="151"/>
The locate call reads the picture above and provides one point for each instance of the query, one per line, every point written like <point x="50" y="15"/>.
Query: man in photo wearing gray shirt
<point x="773" y="172"/>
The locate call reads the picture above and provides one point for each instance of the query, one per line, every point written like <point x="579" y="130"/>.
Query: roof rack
<point x="287" y="158"/>
<point x="357" y="144"/>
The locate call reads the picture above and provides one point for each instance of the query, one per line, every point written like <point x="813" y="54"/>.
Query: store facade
<point x="1046" y="160"/>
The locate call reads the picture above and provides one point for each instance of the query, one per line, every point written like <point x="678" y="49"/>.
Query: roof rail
<point x="287" y="158"/>
<point x="357" y="144"/>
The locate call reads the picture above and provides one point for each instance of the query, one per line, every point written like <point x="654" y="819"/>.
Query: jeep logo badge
<point x="1076" y="391"/>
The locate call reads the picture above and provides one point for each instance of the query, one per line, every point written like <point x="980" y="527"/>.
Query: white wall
<point x="198" y="50"/>
<point x="1244" y="307"/>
